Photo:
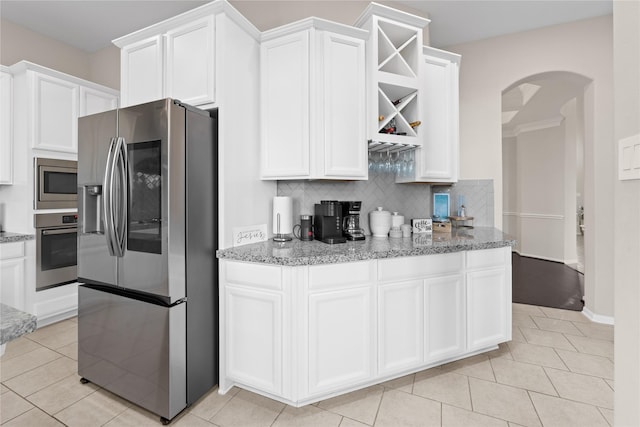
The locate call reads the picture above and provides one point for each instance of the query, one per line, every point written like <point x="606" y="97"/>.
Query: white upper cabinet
<point x="6" y="126"/>
<point x="394" y="51"/>
<point x="94" y="101"/>
<point x="55" y="112"/>
<point x="141" y="71"/>
<point x="312" y="101"/>
<point x="173" y="59"/>
<point x="437" y="161"/>
<point x="48" y="103"/>
<point x="190" y="62"/>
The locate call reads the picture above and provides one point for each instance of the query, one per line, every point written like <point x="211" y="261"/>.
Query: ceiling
<point x="91" y="25"/>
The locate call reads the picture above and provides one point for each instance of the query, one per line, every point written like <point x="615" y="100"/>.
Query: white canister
<point x="380" y="222"/>
<point x="397" y="220"/>
<point x="406" y="230"/>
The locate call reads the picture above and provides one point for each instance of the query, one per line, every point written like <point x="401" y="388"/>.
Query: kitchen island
<point x="304" y="321"/>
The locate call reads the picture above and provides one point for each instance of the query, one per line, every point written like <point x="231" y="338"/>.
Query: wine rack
<point x="395" y="55"/>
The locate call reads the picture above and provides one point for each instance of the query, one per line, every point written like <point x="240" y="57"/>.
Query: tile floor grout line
<point x="277" y="416"/>
<point x="534" y="407"/>
<point x="384" y="390"/>
<point x="603" y="416"/>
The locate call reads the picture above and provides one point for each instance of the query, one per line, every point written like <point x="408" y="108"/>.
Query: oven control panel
<point x="70" y="219"/>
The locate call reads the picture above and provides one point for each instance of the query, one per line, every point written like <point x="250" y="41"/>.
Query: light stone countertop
<point x="8" y="237"/>
<point x="296" y="252"/>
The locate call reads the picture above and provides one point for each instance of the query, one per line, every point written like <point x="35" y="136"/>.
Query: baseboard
<point x="561" y="261"/>
<point x="598" y="318"/>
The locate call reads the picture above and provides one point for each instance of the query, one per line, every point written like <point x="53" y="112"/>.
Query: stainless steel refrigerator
<point x="147" y="235"/>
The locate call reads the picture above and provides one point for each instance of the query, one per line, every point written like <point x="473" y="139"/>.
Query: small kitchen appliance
<point x="351" y="224"/>
<point x="327" y="222"/>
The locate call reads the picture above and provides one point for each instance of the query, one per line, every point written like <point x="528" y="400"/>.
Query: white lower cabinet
<point x="254" y="338"/>
<point x="444" y="316"/>
<point x="488" y="280"/>
<point x="12" y="274"/>
<point x="303" y="334"/>
<point x="341" y="345"/>
<point x="487" y="321"/>
<point x="400" y="326"/>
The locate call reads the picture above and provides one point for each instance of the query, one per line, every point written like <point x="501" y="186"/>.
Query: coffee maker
<point x="327" y="222"/>
<point x="351" y="224"/>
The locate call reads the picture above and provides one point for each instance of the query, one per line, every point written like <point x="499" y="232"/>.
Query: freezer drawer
<point x="133" y="348"/>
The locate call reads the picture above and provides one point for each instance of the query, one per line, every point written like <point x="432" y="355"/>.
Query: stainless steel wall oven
<point x="56" y="183"/>
<point x="56" y="249"/>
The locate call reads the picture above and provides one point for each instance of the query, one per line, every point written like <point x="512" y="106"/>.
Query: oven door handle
<point x="107" y="202"/>
<point x="60" y="231"/>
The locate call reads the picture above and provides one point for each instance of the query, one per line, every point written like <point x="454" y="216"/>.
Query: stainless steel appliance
<point x="148" y="309"/>
<point x="55" y="184"/>
<point x="351" y="225"/>
<point x="327" y="222"/>
<point x="56" y="249"/>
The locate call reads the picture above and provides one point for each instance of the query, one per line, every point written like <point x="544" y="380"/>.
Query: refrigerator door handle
<point x="121" y="204"/>
<point x="107" y="202"/>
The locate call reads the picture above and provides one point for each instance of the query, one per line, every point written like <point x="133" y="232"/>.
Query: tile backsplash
<point x="477" y="196"/>
<point x="410" y="200"/>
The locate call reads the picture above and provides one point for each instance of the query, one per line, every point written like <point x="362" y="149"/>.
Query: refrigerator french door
<point x="147" y="322"/>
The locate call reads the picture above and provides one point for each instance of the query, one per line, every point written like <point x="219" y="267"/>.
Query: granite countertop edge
<point x="8" y="237"/>
<point x="294" y="253"/>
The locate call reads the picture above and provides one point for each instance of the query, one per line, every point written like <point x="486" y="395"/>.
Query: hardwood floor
<point x="546" y="283"/>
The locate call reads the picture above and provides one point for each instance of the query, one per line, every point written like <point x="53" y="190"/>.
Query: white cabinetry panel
<point x="93" y="101"/>
<point x="487" y="311"/>
<point x="313" y="102"/>
<point x="438" y="159"/>
<point x="142" y="71"/>
<point x="345" y="153"/>
<point x="12" y="274"/>
<point x="400" y="326"/>
<point x="254" y="338"/>
<point x="55" y="111"/>
<point x="445" y="316"/>
<point x="6" y="127"/>
<point x="284" y="68"/>
<point x="341" y="347"/>
<point x="190" y="62"/>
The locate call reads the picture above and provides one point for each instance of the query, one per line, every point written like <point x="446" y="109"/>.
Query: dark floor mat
<point x="546" y="283"/>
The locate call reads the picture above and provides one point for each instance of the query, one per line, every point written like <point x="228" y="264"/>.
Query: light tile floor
<point x="557" y="371"/>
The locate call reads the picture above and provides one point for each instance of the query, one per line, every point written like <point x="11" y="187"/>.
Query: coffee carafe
<point x="351" y="225"/>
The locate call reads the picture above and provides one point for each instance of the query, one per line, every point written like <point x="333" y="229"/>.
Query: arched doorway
<point x="543" y="185"/>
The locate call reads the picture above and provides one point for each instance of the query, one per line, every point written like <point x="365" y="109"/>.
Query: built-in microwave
<point x="56" y="183"/>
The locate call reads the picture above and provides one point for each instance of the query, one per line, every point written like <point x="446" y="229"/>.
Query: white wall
<point x="625" y="219"/>
<point x="492" y="65"/>
<point x="18" y="43"/>
<point x="573" y="126"/>
<point x="537" y="201"/>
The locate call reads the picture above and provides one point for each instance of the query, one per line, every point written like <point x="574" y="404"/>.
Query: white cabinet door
<point x="488" y="302"/>
<point x="12" y="274"/>
<point x="445" y="317"/>
<point x="190" y="62"/>
<point x="400" y="326"/>
<point x="141" y="71"/>
<point x="343" y="134"/>
<point x="437" y="161"/>
<point x="284" y="73"/>
<point x="93" y="101"/>
<point x="253" y="323"/>
<point x="6" y="128"/>
<point x="55" y="113"/>
<point x="341" y="340"/>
